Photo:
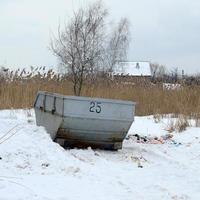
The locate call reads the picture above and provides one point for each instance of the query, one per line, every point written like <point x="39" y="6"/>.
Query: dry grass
<point x="16" y="92"/>
<point x="177" y="124"/>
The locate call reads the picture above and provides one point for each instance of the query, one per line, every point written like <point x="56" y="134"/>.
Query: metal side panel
<point x="49" y="121"/>
<point x="94" y="130"/>
<point x="88" y="125"/>
<point x="98" y="109"/>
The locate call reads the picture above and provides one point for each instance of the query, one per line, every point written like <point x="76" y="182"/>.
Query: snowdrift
<point x="34" y="167"/>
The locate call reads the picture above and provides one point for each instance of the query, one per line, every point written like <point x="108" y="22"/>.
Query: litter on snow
<point x="168" y="138"/>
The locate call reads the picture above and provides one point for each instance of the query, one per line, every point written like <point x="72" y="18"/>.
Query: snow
<point x="171" y="86"/>
<point x="33" y="167"/>
<point x="133" y="68"/>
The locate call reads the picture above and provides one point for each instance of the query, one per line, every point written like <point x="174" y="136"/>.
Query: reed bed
<point x="18" y="91"/>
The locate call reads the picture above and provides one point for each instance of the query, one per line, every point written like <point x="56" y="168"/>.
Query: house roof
<point x="133" y="69"/>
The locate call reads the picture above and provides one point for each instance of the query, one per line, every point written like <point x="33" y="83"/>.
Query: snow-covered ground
<point x="33" y="167"/>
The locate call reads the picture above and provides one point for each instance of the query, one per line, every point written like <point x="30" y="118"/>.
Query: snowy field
<point x="33" y="167"/>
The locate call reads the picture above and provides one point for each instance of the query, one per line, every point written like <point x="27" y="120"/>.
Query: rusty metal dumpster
<point x="83" y="121"/>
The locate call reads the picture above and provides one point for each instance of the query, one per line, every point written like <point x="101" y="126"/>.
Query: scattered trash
<point x="176" y="143"/>
<point x="30" y="120"/>
<point x="45" y="164"/>
<point x="140" y="166"/>
<point x="139" y="163"/>
<point x="96" y="154"/>
<point x="153" y="140"/>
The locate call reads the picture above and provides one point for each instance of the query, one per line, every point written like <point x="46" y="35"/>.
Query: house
<point x="136" y="71"/>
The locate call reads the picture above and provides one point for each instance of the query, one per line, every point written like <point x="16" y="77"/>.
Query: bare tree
<point x="157" y="70"/>
<point x="174" y="74"/>
<point x="118" y="44"/>
<point x="82" y="45"/>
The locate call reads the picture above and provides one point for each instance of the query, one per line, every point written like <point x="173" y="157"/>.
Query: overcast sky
<point x="163" y="31"/>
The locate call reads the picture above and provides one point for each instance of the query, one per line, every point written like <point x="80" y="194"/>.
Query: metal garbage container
<point x="84" y="121"/>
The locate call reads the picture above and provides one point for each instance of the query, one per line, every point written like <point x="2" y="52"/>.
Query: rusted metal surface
<point x="82" y="121"/>
<point x="67" y="141"/>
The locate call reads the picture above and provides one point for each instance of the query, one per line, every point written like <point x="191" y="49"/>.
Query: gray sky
<point x="163" y="31"/>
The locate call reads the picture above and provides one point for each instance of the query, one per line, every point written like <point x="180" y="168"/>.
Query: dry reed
<point x="18" y="91"/>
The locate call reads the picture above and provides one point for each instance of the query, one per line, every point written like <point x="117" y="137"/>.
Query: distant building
<point x="132" y="72"/>
<point x="133" y="69"/>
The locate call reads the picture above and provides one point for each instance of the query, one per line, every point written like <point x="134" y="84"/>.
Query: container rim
<point x="84" y="98"/>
